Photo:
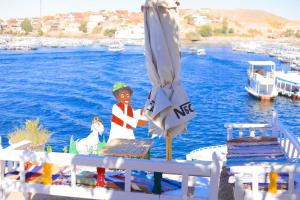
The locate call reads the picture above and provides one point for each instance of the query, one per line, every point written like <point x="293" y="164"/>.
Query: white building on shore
<point x="72" y="28"/>
<point x="201" y="20"/>
<point x="94" y="21"/>
<point x="130" y="32"/>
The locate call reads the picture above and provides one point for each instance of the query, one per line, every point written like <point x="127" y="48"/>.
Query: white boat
<point x="118" y="46"/>
<point x="288" y="84"/>
<point x="201" y="52"/>
<point x="198" y="51"/>
<point x="261" y="80"/>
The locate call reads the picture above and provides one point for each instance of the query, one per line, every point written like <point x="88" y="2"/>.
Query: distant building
<point x="201" y="20"/>
<point x="3" y="25"/>
<point x="14" y="25"/>
<point x="94" y="21"/>
<point x="36" y="24"/>
<point x="59" y="24"/>
<point x="130" y="32"/>
<point x="72" y="28"/>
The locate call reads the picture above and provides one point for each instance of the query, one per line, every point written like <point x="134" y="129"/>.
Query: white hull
<point x="262" y="97"/>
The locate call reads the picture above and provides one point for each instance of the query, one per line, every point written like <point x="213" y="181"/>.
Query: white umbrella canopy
<point x="167" y="107"/>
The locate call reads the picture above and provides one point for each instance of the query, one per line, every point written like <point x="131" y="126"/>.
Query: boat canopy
<point x="261" y="63"/>
<point x="289" y="78"/>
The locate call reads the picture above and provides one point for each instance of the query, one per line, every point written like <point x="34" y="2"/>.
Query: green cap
<point x="118" y="86"/>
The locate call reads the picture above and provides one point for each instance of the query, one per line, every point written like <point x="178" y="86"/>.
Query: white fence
<point x="186" y="169"/>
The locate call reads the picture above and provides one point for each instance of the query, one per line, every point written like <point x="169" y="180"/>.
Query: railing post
<point x="255" y="183"/>
<point x="128" y="180"/>
<point x="22" y="171"/>
<point x="157" y="183"/>
<point x="229" y="133"/>
<point x="252" y="132"/>
<point x="184" y="186"/>
<point x="274" y="124"/>
<point x="215" y="173"/>
<point x="241" y="132"/>
<point x="73" y="175"/>
<point x="291" y="182"/>
<point x="2" y="171"/>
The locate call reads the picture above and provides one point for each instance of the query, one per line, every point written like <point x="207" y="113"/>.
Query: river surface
<point x="66" y="88"/>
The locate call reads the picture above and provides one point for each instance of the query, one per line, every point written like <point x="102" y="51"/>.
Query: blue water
<point x="66" y="88"/>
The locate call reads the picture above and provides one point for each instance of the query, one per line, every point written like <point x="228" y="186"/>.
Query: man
<point x="124" y="118"/>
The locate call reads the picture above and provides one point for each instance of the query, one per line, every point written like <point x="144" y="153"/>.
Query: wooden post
<point x="168" y="147"/>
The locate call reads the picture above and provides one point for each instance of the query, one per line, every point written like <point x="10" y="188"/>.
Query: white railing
<point x="186" y="169"/>
<point x="255" y="171"/>
<point x="252" y="128"/>
<point x="290" y="145"/>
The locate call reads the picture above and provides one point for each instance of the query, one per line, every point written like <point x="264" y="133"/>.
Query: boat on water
<point x="288" y="84"/>
<point x="201" y="52"/>
<point x="115" y="47"/>
<point x="198" y="51"/>
<point x="261" y="80"/>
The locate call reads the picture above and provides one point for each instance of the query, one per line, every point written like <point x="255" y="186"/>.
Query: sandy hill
<point x="244" y="21"/>
<point x="248" y="16"/>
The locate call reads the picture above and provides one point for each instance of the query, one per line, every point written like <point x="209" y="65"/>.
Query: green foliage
<point x="100" y="146"/>
<point x="49" y="149"/>
<point x="32" y="132"/>
<point x="189" y="19"/>
<point x="26" y="26"/>
<point x="231" y="31"/>
<point x="297" y="34"/>
<point x="218" y="31"/>
<point x="109" y="32"/>
<point x="83" y="27"/>
<point x="192" y="36"/>
<point x="41" y="33"/>
<point x="224" y="26"/>
<point x="253" y="32"/>
<point x="65" y="149"/>
<point x="288" y="33"/>
<point x="97" y="30"/>
<point x="205" y="31"/>
<point x="72" y="147"/>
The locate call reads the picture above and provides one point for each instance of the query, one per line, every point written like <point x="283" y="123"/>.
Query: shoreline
<point x="35" y="42"/>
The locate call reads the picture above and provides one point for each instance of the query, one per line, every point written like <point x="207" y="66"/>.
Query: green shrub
<point x="109" y="32"/>
<point x="32" y="132"/>
<point x="26" y="26"/>
<point x="192" y="36"/>
<point x="83" y="27"/>
<point x="205" y="31"/>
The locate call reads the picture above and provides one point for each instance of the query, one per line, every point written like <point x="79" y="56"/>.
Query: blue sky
<point x="29" y="8"/>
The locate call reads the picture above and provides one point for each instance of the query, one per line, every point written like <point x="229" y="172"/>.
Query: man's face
<point x="124" y="97"/>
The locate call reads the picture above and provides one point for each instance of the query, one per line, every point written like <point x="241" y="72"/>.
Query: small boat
<point x="198" y="51"/>
<point x="116" y="47"/>
<point x="261" y="80"/>
<point x="201" y="52"/>
<point x="288" y="84"/>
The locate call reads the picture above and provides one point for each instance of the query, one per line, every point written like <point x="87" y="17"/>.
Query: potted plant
<point x="33" y="132"/>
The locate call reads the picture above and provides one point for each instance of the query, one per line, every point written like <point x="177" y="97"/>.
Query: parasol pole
<point x="168" y="147"/>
